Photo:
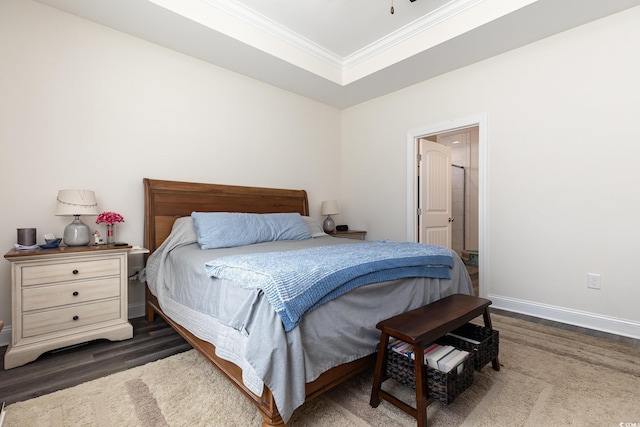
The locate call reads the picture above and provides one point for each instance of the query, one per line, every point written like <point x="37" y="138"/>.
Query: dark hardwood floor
<point x="74" y="365"/>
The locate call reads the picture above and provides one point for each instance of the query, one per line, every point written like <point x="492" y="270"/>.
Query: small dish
<point x="51" y="244"/>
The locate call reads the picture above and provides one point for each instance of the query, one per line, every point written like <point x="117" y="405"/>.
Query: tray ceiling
<point x="341" y="52"/>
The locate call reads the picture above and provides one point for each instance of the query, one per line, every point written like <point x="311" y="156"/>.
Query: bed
<point x="306" y="361"/>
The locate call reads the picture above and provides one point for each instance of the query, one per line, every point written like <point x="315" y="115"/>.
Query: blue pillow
<point x="230" y="229"/>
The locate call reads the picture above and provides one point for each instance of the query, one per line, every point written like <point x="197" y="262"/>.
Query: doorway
<point x="463" y="144"/>
<point x="467" y="140"/>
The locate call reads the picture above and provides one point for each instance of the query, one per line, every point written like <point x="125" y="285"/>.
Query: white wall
<point x="563" y="149"/>
<point x="84" y="106"/>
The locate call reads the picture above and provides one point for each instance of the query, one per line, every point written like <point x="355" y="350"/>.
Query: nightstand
<point x="350" y="234"/>
<point x="66" y="296"/>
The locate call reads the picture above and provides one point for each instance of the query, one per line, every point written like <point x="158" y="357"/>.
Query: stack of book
<point x="441" y="357"/>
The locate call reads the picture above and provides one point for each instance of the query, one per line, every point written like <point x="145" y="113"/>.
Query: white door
<point x="435" y="193"/>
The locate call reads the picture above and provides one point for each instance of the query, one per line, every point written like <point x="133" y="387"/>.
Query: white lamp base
<point x="77" y="233"/>
<point x="329" y="226"/>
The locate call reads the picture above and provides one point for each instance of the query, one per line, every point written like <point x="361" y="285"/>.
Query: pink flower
<point x="109" y="218"/>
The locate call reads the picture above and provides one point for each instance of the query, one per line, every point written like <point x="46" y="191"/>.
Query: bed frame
<point x="165" y="201"/>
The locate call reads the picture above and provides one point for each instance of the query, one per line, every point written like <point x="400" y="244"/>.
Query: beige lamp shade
<point x="76" y="202"/>
<point x="329" y="207"/>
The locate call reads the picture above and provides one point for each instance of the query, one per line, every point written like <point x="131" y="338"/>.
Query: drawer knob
<point x="75" y="294"/>
<point x="75" y="317"/>
<point x="75" y="271"/>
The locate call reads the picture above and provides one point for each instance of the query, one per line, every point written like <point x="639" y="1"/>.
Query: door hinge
<point x="419" y="211"/>
<point x="419" y="157"/>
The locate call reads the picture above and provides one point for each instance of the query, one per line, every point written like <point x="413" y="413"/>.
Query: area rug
<point x="549" y="377"/>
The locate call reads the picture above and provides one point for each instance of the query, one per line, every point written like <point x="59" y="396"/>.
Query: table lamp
<point x="76" y="203"/>
<point x="329" y="207"/>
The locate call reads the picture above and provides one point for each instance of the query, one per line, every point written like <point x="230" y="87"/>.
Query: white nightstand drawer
<point x="65" y="271"/>
<point x="44" y="322"/>
<point x="41" y="297"/>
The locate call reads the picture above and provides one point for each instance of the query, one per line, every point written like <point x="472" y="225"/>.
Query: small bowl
<point x="51" y="243"/>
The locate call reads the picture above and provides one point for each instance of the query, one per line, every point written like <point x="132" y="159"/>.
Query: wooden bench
<point x="419" y="327"/>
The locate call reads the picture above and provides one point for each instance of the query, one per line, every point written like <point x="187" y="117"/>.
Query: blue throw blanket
<point x="300" y="280"/>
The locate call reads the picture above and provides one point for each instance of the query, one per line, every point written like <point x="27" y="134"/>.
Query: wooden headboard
<point x="165" y="201"/>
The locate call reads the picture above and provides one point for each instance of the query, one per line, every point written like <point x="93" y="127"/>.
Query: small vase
<point x="111" y="238"/>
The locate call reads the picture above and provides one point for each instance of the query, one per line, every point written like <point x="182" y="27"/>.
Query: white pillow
<point x="314" y="227"/>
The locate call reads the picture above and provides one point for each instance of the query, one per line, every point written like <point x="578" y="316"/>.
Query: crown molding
<point x="409" y="31"/>
<point x="269" y="26"/>
<point x="257" y="20"/>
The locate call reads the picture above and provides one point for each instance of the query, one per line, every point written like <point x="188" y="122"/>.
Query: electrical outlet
<point x="593" y="281"/>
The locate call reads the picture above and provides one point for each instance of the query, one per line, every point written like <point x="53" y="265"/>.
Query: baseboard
<point x="598" y="322"/>
<point x="135" y="310"/>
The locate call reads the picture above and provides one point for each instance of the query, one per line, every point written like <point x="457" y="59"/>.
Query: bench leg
<point x="422" y="401"/>
<point x="495" y="363"/>
<point x="381" y="366"/>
